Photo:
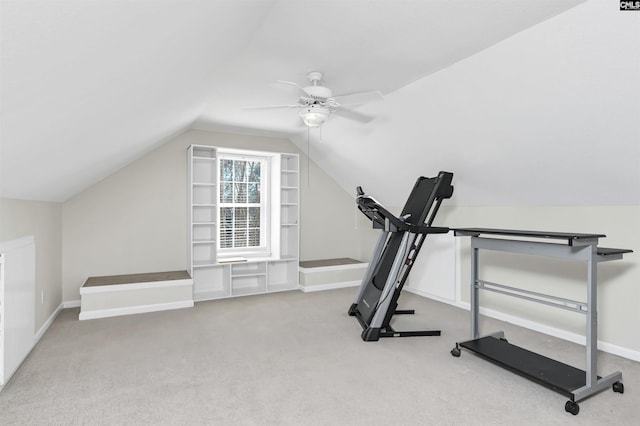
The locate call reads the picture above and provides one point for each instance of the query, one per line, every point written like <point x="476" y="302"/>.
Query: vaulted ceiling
<point x="469" y="85"/>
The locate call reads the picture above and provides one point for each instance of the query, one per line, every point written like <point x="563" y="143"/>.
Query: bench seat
<point x="327" y="274"/>
<point x="108" y="296"/>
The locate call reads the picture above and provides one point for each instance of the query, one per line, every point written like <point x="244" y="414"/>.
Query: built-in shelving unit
<point x="215" y="278"/>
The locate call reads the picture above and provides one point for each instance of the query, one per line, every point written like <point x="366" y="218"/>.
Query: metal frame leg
<point x="474" y="296"/>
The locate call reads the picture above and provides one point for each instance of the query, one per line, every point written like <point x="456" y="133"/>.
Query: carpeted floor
<point x="290" y="359"/>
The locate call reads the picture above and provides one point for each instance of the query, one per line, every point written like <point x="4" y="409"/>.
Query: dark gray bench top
<point x="136" y="278"/>
<point x="329" y="262"/>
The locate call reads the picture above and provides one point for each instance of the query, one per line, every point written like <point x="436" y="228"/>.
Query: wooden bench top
<point x="136" y="278"/>
<point x="329" y="262"/>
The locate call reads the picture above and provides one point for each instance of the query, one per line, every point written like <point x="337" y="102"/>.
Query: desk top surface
<point x="531" y="234"/>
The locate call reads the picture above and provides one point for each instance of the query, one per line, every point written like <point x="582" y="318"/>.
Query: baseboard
<point x="47" y="324"/>
<point x="430" y="296"/>
<point x="330" y="286"/>
<point x="619" y="350"/>
<point x="140" y="309"/>
<point x="36" y="338"/>
<point x="71" y="304"/>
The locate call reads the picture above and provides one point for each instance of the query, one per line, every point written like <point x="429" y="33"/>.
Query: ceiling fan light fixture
<point x="314" y="115"/>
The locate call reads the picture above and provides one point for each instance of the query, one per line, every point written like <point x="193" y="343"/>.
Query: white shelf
<point x="203" y="264"/>
<point x="285" y="259"/>
<point x="213" y="280"/>
<point x="203" y="152"/>
<point x="249" y="274"/>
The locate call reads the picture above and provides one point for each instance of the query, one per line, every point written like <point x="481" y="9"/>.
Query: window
<point x="243" y="205"/>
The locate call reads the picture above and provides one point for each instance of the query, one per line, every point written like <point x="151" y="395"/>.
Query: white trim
<point x="265" y="204"/>
<point x="71" y="304"/>
<point x="47" y="324"/>
<point x="331" y="286"/>
<point x="619" y="350"/>
<point x="36" y="338"/>
<point x="140" y="309"/>
<point x="332" y="268"/>
<point x="431" y="296"/>
<point x="110" y="288"/>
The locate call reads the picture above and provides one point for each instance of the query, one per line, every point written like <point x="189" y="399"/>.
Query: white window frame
<point x="264" y="250"/>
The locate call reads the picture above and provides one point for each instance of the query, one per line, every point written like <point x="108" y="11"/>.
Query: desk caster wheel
<point x="455" y="352"/>
<point x="618" y="387"/>
<point x="572" y="407"/>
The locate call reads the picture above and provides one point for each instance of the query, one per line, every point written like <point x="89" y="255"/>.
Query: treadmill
<point x="398" y="246"/>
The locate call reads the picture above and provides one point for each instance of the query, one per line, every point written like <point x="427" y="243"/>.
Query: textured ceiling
<point x="89" y="86"/>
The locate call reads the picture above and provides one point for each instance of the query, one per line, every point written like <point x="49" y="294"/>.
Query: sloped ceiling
<point x="89" y="86"/>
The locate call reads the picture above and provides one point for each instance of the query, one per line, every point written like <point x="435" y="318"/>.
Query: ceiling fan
<point x="317" y="103"/>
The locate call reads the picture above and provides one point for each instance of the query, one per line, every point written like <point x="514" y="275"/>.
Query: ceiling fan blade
<point x="359" y="98"/>
<point x="353" y="115"/>
<point x="291" y="83"/>
<point x="287" y="82"/>
<point x="272" y="106"/>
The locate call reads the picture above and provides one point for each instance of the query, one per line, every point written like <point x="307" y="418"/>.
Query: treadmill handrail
<point x="368" y="204"/>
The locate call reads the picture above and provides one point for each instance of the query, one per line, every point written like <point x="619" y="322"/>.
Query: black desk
<point x="570" y="381"/>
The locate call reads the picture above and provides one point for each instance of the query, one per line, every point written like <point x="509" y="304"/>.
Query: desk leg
<point x="473" y="301"/>
<point x="592" y="318"/>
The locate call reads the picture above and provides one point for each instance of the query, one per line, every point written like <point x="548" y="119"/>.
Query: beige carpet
<point x="290" y="359"/>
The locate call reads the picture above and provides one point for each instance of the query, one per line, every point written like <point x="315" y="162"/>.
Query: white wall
<point x="135" y="220"/>
<point x="327" y="215"/>
<point x="43" y="221"/>
<point x="548" y="116"/>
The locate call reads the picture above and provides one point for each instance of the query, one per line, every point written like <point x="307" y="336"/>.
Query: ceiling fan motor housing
<point x="318" y="92"/>
<point x="317" y="108"/>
